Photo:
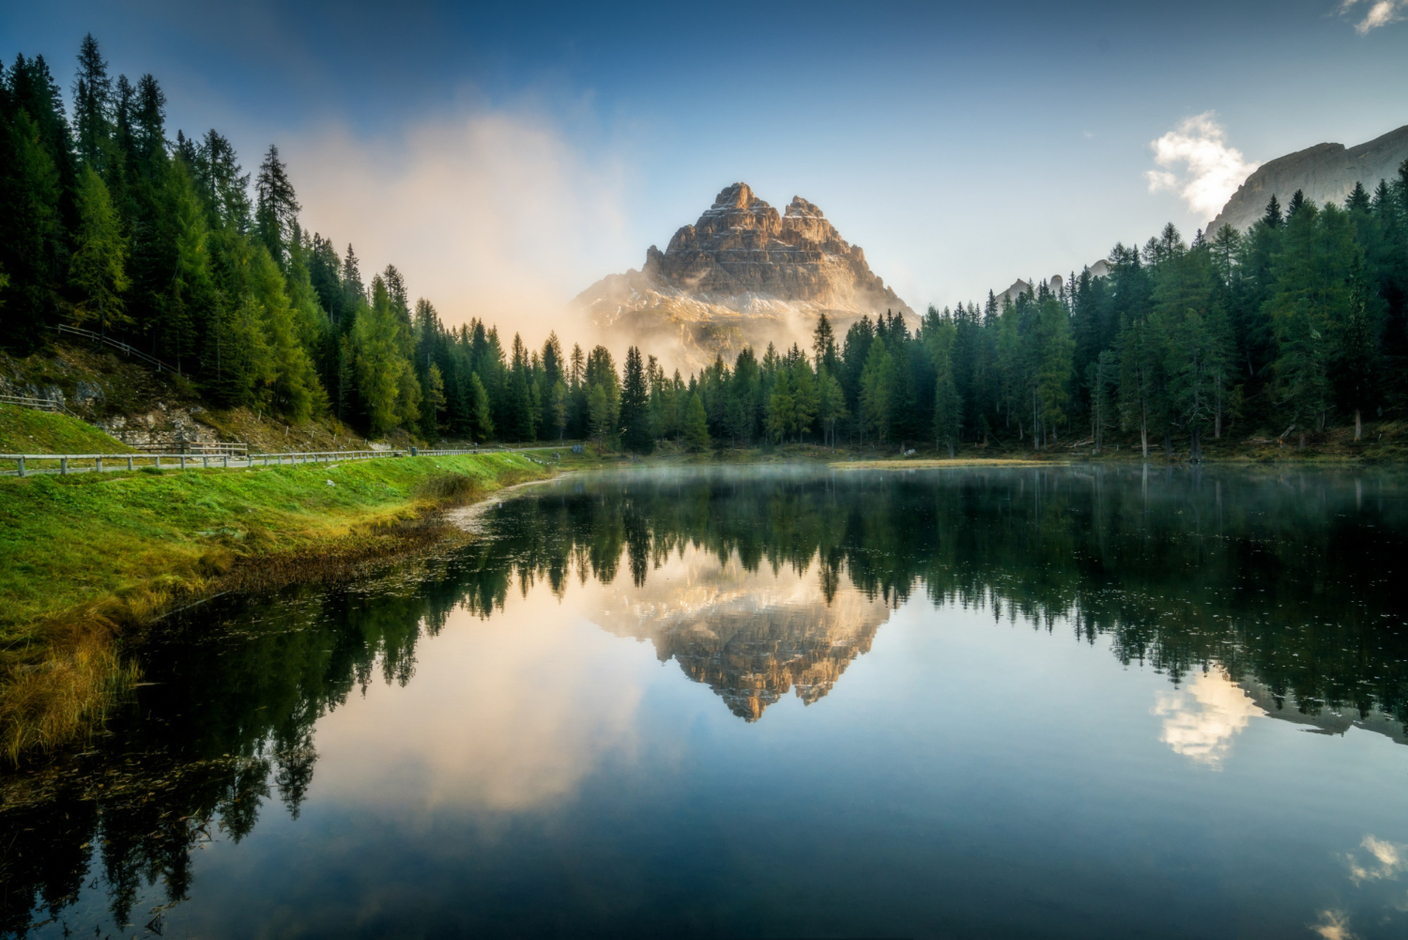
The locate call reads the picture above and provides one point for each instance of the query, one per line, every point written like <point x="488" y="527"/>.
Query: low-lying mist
<point x="488" y="214"/>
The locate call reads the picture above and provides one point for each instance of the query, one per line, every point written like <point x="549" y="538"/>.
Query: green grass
<point x="68" y="541"/>
<point x="26" y="431"/>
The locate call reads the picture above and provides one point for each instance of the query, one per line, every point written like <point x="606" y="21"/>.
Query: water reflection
<point x="1202" y="718"/>
<point x="751" y="636"/>
<point x="1257" y="595"/>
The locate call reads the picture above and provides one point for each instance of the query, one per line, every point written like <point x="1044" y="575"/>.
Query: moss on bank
<point x="85" y="558"/>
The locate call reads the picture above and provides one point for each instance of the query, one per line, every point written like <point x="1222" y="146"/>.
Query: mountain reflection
<point x="750" y="636"/>
<point x="1254" y="593"/>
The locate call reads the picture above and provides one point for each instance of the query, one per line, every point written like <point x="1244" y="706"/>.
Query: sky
<point x="505" y="156"/>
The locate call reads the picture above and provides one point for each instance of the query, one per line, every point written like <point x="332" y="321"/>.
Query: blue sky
<point x="505" y="156"/>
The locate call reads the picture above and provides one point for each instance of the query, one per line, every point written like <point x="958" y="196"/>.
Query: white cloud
<point x="487" y="213"/>
<point x="1334" y="925"/>
<point x="1380" y="13"/>
<point x="1196" y="163"/>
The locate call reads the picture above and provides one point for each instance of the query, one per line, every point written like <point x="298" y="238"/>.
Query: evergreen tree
<point x="98" y="269"/>
<point x="877" y="390"/>
<point x="92" y="105"/>
<point x="696" y="424"/>
<point x="276" y="208"/>
<point x="635" y="412"/>
<point x="481" y="416"/>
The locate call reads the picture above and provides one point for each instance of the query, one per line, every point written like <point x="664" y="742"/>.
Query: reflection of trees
<point x="1285" y="581"/>
<point x="195" y="754"/>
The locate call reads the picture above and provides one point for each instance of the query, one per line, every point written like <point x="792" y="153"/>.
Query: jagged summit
<point x="742" y="274"/>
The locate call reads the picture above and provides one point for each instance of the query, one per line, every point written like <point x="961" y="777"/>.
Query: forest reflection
<point x="1256" y="593"/>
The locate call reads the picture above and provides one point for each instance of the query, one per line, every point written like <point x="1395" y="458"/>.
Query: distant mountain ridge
<point x="1324" y="172"/>
<point x="743" y="274"/>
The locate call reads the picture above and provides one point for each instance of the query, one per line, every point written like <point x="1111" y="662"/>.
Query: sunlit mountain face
<point x="560" y="702"/>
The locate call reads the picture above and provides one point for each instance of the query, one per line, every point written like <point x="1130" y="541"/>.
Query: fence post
<point x="205" y="461"/>
<point x="21" y="466"/>
<point x="158" y="461"/>
<point x="97" y="465"/>
<point x="63" y="466"/>
<point x="183" y="461"/>
<point x="227" y="461"/>
<point x="129" y="463"/>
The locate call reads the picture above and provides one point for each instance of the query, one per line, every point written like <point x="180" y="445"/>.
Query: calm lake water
<point x="773" y="702"/>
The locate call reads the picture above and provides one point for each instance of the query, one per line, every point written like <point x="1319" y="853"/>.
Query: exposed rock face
<point x="743" y="274"/>
<point x="1325" y="173"/>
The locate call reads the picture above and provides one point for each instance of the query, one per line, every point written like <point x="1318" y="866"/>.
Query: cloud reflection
<point x="1202" y="718"/>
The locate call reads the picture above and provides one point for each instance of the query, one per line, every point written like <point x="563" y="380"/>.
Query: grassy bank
<point x="26" y="431"/>
<point x="85" y="558"/>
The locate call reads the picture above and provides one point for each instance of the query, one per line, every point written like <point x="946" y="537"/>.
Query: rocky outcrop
<point x="1325" y="173"/>
<point x="742" y="274"/>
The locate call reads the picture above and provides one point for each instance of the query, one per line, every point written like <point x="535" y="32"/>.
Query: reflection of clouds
<point x="1385" y="861"/>
<point x="1333" y="925"/>
<point x="1202" y="718"/>
<point x="508" y="714"/>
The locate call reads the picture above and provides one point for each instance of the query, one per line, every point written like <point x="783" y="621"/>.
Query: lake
<point x="776" y="702"/>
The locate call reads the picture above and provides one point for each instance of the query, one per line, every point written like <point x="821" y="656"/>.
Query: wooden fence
<point x="124" y="348"/>
<point x="64" y="464"/>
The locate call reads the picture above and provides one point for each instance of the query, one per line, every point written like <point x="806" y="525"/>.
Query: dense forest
<point x="1296" y="325"/>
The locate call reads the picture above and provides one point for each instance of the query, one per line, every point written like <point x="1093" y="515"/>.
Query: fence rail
<point x="64" y="464"/>
<point x="196" y="448"/>
<point x="38" y="404"/>
<point x="121" y="347"/>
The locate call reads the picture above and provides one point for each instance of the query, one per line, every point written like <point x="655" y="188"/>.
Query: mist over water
<point x="787" y="701"/>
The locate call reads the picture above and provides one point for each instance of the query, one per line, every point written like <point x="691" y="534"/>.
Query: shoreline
<point x="91" y="560"/>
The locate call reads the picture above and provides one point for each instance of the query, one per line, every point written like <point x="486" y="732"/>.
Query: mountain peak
<point x="744" y="274"/>
<point x="737" y="196"/>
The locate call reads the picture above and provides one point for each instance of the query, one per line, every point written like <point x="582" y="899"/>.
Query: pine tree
<point x="947" y="404"/>
<point x="696" y="424"/>
<point x="877" y="389"/>
<point x="480" y="412"/>
<point x="31" y="230"/>
<point x="635" y="413"/>
<point x="92" y="103"/>
<point x="1272" y="217"/>
<point x="276" y="209"/>
<point x="98" y="269"/>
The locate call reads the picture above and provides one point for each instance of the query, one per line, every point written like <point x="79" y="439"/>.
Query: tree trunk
<point x="1358" y="426"/>
<point x="1144" y="437"/>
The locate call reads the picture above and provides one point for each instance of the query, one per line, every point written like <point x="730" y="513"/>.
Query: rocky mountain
<point x="1325" y="173"/>
<point x="742" y="274"/>
<point x="1100" y="268"/>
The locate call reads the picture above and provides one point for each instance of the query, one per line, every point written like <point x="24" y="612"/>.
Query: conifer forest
<point x="112" y="223"/>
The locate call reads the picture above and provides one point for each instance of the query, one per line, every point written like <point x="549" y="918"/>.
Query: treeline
<point x="1295" y="324"/>
<point x="106" y="222"/>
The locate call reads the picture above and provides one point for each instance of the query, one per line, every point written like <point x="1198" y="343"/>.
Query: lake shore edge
<point x="91" y="559"/>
